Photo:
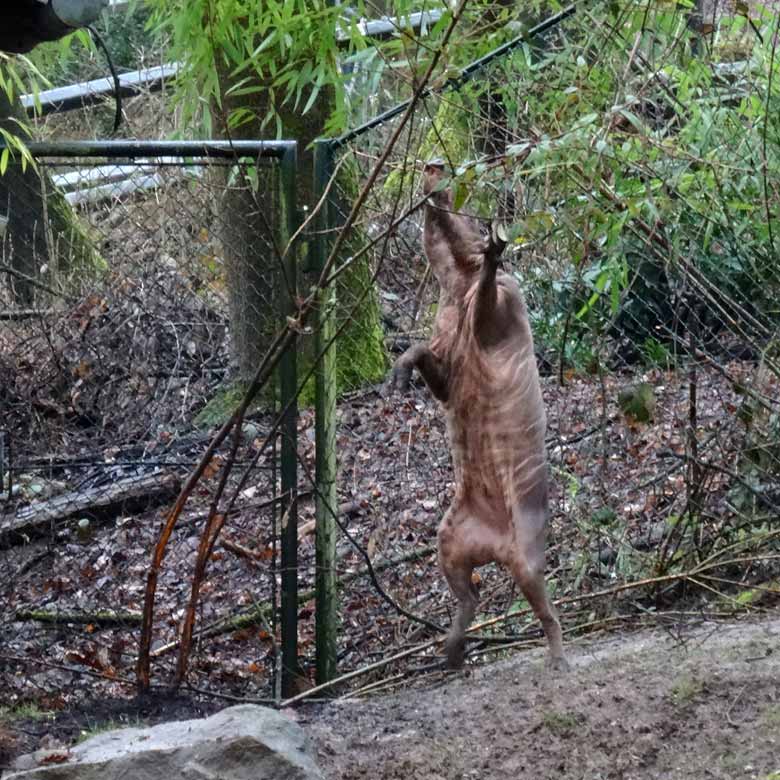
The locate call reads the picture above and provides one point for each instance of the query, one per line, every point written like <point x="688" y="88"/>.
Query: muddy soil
<point x="699" y="703"/>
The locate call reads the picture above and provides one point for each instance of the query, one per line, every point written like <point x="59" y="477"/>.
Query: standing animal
<point x="480" y="365"/>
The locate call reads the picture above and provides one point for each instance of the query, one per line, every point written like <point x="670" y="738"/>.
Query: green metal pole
<point x="326" y="615"/>
<point x="288" y="385"/>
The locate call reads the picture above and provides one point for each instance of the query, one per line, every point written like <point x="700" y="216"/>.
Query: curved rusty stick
<point x="272" y="357"/>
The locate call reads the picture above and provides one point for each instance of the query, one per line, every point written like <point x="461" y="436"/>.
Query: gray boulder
<point x="246" y="742"/>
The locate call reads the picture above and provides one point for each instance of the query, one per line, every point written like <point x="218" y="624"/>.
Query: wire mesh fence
<point x="142" y="284"/>
<point x="637" y="179"/>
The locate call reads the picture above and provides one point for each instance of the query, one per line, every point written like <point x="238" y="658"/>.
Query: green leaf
<point x="312" y="97"/>
<point x="461" y="193"/>
<point x="588" y="119"/>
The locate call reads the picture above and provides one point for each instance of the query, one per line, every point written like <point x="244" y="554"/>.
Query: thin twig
<point x="359" y="672"/>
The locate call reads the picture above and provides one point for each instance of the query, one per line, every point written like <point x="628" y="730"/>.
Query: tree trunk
<point x="250" y="266"/>
<point x="43" y="247"/>
<point x="696" y="26"/>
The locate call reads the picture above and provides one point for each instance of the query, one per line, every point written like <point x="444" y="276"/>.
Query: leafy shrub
<point x="648" y="172"/>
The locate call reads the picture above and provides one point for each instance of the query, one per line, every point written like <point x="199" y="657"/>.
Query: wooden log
<point x="132" y="494"/>
<point x="241" y="550"/>
<point x="104" y="618"/>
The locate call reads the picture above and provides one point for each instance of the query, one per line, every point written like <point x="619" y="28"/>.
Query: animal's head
<point x="434" y="173"/>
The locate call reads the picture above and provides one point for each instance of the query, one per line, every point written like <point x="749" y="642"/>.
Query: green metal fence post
<point x="326" y="616"/>
<point x="288" y="386"/>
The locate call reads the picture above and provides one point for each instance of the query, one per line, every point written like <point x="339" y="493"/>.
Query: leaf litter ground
<point x="396" y="481"/>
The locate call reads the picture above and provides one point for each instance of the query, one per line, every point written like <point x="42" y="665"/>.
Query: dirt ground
<point x="699" y="702"/>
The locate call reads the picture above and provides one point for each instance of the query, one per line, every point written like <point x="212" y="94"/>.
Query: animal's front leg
<point x="493" y="248"/>
<point x="495" y="244"/>
<point x="431" y="368"/>
<point x="488" y="329"/>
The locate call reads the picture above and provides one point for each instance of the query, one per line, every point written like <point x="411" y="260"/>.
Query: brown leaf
<point x="83" y="368"/>
<point x="213" y="467"/>
<point x="54" y="758"/>
<point x="85" y="659"/>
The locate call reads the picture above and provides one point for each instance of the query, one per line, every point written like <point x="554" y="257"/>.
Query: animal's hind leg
<point x="527" y="567"/>
<point x="456" y="565"/>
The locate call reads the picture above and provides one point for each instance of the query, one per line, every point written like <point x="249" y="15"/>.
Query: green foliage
<point x="685" y="689"/>
<point x="637" y="402"/>
<point x="18" y="76"/>
<point x="447" y="140"/>
<point x="771" y="717"/>
<point x="284" y="48"/>
<point x="221" y="406"/>
<point x="562" y="723"/>
<point x="93" y="729"/>
<point x="26" y="711"/>
<point x="291" y="51"/>
<point x="657" y="354"/>
<point x="638" y="157"/>
<point x="604" y="516"/>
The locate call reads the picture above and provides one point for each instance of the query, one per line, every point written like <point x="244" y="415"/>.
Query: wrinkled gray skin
<point x="480" y="365"/>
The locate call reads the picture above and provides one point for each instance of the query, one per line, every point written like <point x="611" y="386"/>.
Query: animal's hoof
<point x="456" y="654"/>
<point x="400" y="378"/>
<point x="495" y="242"/>
<point x="557" y="664"/>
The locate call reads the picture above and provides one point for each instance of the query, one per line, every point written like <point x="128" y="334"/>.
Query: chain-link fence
<point x="142" y="284"/>
<point x="637" y="181"/>
<point x="636" y="170"/>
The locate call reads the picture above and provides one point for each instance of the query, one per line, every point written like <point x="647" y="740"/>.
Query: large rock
<point x="240" y="743"/>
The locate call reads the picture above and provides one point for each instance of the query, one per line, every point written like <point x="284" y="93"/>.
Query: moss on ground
<point x="223" y="403"/>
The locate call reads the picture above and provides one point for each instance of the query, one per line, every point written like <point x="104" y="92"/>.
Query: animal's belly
<point x="496" y="425"/>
